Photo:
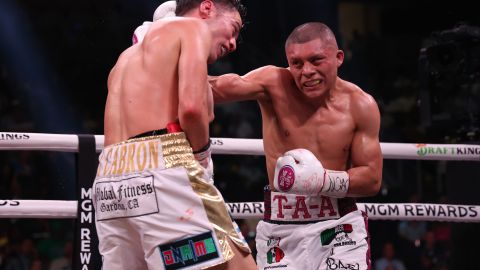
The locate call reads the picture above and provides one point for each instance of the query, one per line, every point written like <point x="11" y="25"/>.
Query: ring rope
<point x="69" y="143"/>
<point x="426" y="212"/>
<point x="246" y="210"/>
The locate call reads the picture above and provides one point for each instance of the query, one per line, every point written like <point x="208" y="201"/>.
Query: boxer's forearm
<point x="232" y="87"/>
<point x="194" y="122"/>
<point x="364" y="181"/>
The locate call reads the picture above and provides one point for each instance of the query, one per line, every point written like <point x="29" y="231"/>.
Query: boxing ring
<point x="82" y="209"/>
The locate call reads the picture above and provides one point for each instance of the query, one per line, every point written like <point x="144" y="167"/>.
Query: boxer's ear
<point x="206" y="9"/>
<point x="340" y="57"/>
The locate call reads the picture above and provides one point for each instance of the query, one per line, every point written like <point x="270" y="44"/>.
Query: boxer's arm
<point x="366" y="155"/>
<point x="251" y="86"/>
<point x="192" y="83"/>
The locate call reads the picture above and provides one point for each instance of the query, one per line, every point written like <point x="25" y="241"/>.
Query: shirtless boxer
<point x="321" y="141"/>
<point x="155" y="203"/>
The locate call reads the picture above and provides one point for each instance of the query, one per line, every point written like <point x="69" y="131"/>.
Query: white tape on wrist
<point x="336" y="184"/>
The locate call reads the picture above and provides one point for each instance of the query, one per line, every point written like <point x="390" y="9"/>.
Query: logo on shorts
<point x="336" y="264"/>
<point x="339" y="233"/>
<point x="189" y="251"/>
<point x="131" y="197"/>
<point x="275" y="254"/>
<point x="286" y="178"/>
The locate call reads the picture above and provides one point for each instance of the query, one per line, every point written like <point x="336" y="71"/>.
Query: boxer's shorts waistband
<point x="150" y="133"/>
<point x="288" y="208"/>
<point x="171" y="128"/>
<point x="145" y="153"/>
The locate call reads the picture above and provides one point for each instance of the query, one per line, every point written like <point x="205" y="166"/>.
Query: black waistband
<point x="150" y="133"/>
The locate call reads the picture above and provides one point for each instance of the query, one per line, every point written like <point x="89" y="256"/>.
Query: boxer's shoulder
<point x="352" y="89"/>
<point x="362" y="101"/>
<point x="179" y="26"/>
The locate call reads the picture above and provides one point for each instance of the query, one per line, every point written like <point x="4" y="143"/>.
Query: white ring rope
<point x="246" y="210"/>
<point x="376" y="211"/>
<point x="69" y="143"/>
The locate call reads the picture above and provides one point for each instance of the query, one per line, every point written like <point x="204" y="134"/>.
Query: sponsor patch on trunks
<point x="339" y="233"/>
<point x="130" y="197"/>
<point x="275" y="254"/>
<point x="190" y="251"/>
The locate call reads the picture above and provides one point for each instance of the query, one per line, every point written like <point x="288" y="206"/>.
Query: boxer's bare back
<point x="143" y="86"/>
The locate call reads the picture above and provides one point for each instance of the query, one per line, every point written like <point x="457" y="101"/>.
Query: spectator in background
<point x="442" y="230"/>
<point x="22" y="256"/>
<point x="413" y="231"/>
<point x="432" y="254"/>
<point x="37" y="264"/>
<point x="64" y="262"/>
<point x="411" y="234"/>
<point x="388" y="261"/>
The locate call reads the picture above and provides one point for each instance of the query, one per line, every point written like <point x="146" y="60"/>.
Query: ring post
<point x="86" y="254"/>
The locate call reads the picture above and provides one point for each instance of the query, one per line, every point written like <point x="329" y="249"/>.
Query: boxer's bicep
<point x="366" y="156"/>
<point x="365" y="146"/>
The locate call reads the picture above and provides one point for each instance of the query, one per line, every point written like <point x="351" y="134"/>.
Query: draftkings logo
<point x="13" y="136"/>
<point x="189" y="251"/>
<point x="275" y="254"/>
<point x="436" y="150"/>
<point x="339" y="233"/>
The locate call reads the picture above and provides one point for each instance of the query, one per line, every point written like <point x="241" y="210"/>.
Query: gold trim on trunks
<point x="213" y="202"/>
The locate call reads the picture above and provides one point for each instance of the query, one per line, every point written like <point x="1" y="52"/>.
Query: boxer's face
<point x="314" y="66"/>
<point x="225" y="29"/>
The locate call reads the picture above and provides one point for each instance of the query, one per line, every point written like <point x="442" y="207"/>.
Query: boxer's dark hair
<point x="183" y="6"/>
<point x="310" y="31"/>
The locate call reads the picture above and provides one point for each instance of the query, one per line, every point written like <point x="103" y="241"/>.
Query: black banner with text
<point x="86" y="255"/>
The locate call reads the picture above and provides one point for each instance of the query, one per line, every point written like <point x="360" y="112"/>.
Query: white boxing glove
<point x="298" y="171"/>
<point x="204" y="157"/>
<point x="165" y="10"/>
<point x="140" y="32"/>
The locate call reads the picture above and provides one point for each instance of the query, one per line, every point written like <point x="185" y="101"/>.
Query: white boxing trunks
<point x="154" y="210"/>
<point x="302" y="232"/>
